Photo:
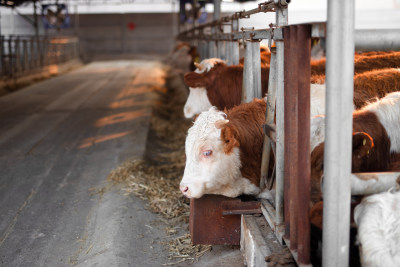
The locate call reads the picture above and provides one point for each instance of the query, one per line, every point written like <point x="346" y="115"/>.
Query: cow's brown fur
<point x="244" y="130"/>
<point x="375" y="84"/>
<point x="363" y="62"/>
<point x="224" y="84"/>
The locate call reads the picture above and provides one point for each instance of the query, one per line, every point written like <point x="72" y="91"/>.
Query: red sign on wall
<point x="131" y="26"/>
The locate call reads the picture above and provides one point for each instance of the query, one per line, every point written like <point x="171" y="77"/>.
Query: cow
<point x="362" y="63"/>
<point x="378" y="222"/>
<point x="221" y="86"/>
<point x="224" y="150"/>
<point x="376" y="140"/>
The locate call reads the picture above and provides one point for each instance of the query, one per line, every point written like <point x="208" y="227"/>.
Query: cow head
<point x="213" y="159"/>
<point x="198" y="101"/>
<point x="363" y="144"/>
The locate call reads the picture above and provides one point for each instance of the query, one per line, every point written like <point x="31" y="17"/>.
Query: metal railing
<point x="24" y="55"/>
<point x="288" y="216"/>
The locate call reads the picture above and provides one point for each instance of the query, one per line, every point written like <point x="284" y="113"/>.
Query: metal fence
<point x="24" y="55"/>
<point x="288" y="216"/>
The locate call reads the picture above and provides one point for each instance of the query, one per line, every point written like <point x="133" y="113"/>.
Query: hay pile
<point x="156" y="178"/>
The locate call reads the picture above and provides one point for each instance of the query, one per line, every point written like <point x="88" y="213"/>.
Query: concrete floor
<point x="59" y="139"/>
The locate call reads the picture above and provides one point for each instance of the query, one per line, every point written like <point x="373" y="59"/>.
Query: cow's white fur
<point x="378" y="220"/>
<point x="388" y="111"/>
<point x="317" y="131"/>
<point x="197" y="100"/>
<point x="218" y="174"/>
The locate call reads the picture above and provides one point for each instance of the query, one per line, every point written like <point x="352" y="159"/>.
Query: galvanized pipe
<point x="281" y="20"/>
<point x="338" y="141"/>
<point x="269" y="119"/>
<point x="256" y="62"/>
<point x="235" y="44"/>
<point x="248" y="74"/>
<point x="303" y="53"/>
<point x="373" y="40"/>
<point x="373" y="183"/>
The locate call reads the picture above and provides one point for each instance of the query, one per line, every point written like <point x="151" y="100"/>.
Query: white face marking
<point x="209" y="170"/>
<point x="197" y="100"/>
<point x="388" y="111"/>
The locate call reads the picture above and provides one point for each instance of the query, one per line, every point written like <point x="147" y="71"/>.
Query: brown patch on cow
<point x="378" y="157"/>
<point x="317" y="79"/>
<point x="228" y="137"/>
<point x="375" y="84"/>
<point x="363" y="62"/>
<point x="316" y="214"/>
<point x="317" y="170"/>
<point x="378" y="61"/>
<point x="224" y="84"/>
<point x="394" y="162"/>
<point x="366" y="177"/>
<point x="245" y="127"/>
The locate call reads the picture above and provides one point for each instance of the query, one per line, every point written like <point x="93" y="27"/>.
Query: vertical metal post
<point x="235" y="44"/>
<point x="25" y="55"/>
<point x="256" y="62"/>
<point x="248" y="74"/>
<point x="291" y="131"/>
<point x="221" y="50"/>
<point x="17" y="57"/>
<point x="281" y="20"/>
<point x="303" y="53"/>
<point x="338" y="141"/>
<point x="211" y="49"/>
<point x="10" y="57"/>
<point x="269" y="118"/>
<point x="228" y="52"/>
<point x="215" y="29"/>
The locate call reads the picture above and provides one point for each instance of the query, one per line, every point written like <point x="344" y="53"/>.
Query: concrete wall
<point x="104" y="34"/>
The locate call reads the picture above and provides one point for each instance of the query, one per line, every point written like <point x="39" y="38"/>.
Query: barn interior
<point x="92" y="134"/>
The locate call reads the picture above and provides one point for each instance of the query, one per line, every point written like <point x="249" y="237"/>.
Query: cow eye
<point x="207" y="153"/>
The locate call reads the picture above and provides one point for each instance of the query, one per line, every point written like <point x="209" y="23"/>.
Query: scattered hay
<point x="156" y="178"/>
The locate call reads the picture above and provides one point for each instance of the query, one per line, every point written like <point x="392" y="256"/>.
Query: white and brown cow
<point x="376" y="142"/>
<point x="223" y="152"/>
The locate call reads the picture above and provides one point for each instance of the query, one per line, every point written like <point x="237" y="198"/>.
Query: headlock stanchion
<point x="288" y="106"/>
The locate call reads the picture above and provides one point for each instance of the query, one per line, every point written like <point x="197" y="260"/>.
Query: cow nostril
<point x="184" y="189"/>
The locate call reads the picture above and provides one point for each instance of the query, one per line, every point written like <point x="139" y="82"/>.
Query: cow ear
<point x="228" y="137"/>
<point x="193" y="79"/>
<point x="362" y="144"/>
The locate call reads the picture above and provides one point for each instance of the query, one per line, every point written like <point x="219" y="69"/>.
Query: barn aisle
<point x="59" y="139"/>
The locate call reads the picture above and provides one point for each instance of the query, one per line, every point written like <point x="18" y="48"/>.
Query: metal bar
<point x="234" y="207"/>
<point x="373" y="183"/>
<point x="256" y="62"/>
<point x="269" y="119"/>
<point x="25" y="55"/>
<point x="235" y="44"/>
<point x="370" y="40"/>
<point x="337" y="154"/>
<point x="281" y="20"/>
<point x="291" y="130"/>
<point x="303" y="187"/>
<point x="248" y="75"/>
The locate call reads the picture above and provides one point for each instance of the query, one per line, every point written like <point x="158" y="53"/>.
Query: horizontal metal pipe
<point x="383" y="39"/>
<point x="373" y="183"/>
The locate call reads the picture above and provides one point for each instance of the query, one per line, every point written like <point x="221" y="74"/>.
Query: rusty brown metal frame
<point x="297" y="42"/>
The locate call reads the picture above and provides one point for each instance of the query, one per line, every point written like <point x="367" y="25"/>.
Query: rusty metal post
<point x="291" y="131"/>
<point x="25" y="55"/>
<point x="303" y="187"/>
